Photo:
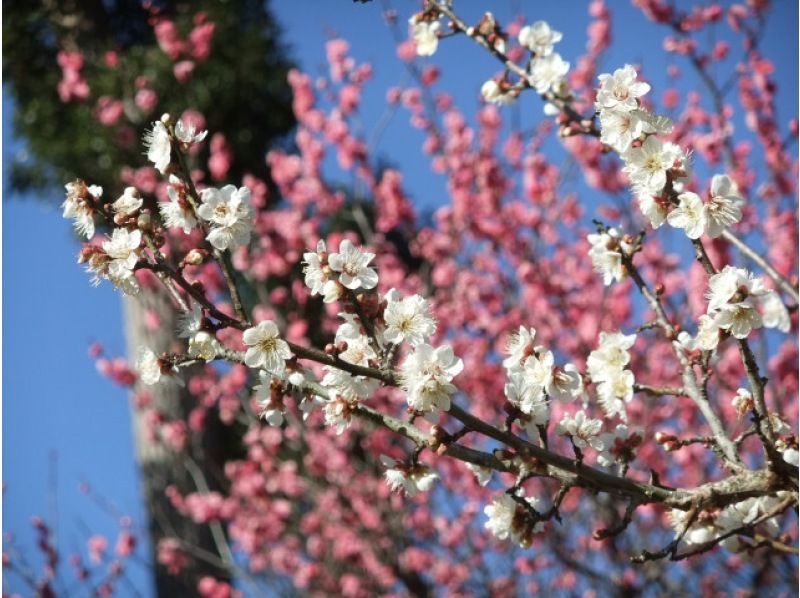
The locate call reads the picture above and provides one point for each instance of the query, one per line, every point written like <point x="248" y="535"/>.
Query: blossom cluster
<point x="659" y="170"/>
<point x="738" y="303"/>
<point x="607" y="367"/>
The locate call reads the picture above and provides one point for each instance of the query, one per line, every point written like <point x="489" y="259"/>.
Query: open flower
<point x="547" y="72"/>
<point x="128" y="203"/>
<point x="266" y="349"/>
<point x="425" y="35"/>
<point x="78" y="205"/>
<point x="158" y="146"/>
<point x="690" y="215"/>
<point x="539" y="38"/>
<point x="228" y="212"/>
<point x="352" y="265"/>
<point x="426" y="377"/>
<point x="724" y="206"/>
<point x="620" y="91"/>
<point x="408" y="319"/>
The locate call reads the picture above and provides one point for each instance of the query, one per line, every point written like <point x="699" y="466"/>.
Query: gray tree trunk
<point x="159" y="465"/>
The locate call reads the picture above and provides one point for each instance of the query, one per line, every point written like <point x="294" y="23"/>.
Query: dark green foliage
<point x="241" y="89"/>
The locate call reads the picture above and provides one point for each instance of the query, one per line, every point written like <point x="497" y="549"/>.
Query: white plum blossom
<point x="529" y="397"/>
<point x="409" y="479"/>
<point x="616" y="446"/>
<point x="509" y="520"/>
<point x="774" y="313"/>
<point x="742" y="401"/>
<point x="707" y="337"/>
<point x="539" y="38"/>
<point x="790" y="455"/>
<point x="188" y="134"/>
<point x="547" y="72"/>
<point x="565" y="383"/>
<point x="190" y="321"/>
<point x="738" y="318"/>
<point x="611" y="355"/>
<point x="619" y="128"/>
<point x="339" y="413"/>
<point x="605" y="255"/>
<point x="618" y="384"/>
<point x="77" y="205"/>
<point x="177" y="213"/>
<point x="620" y="91"/>
<point x="265" y="348"/>
<point x="408" y="319"/>
<point x="158" y="145"/>
<point x="203" y="345"/>
<point x="653" y="209"/>
<point x="269" y="408"/>
<point x="492" y="92"/>
<point x="519" y="347"/>
<point x="148" y="366"/>
<point x="228" y="211"/>
<point x="427" y="375"/>
<point x="425" y="36"/>
<point x="352" y="265"/>
<point x="345" y="385"/>
<point x="724" y="206"/>
<point x="729" y="281"/>
<point x="483" y="475"/>
<point x="128" y="203"/>
<point x="581" y="429"/>
<point x="689" y="215"/>
<point x="648" y="164"/>
<point x="314" y="268"/>
<point x="122" y="249"/>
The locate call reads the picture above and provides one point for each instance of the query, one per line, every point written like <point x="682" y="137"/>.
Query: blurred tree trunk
<point x="161" y="466"/>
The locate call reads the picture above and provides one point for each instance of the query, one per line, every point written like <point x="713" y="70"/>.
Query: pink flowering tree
<point x="586" y="386"/>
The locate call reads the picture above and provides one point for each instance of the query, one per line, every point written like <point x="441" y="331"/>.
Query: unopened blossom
<point x="148" y="366"/>
<point x="620" y="91"/>
<point x="203" y="345"/>
<point x="581" y="429"/>
<point x="158" y="145"/>
<point x="493" y="93"/>
<point x="648" y="164"/>
<point x="605" y="255"/>
<point x="690" y="215"/>
<point x="547" y="72"/>
<point x="265" y="348"/>
<point x="228" y="211"/>
<point x="408" y="319"/>
<point x="427" y="375"/>
<point x="128" y="203"/>
<point x="177" y="213"/>
<point x="78" y="205"/>
<point x="508" y="520"/>
<point x="738" y="318"/>
<point x="620" y="128"/>
<point x="269" y="408"/>
<point x="188" y="134"/>
<point x="352" y="264"/>
<point x="539" y="38"/>
<point x="724" y="206"/>
<point x="425" y="35"/>
<point x="519" y="347"/>
<point x="409" y="479"/>
<point x="315" y="268"/>
<point x="483" y="475"/>
<point x="359" y="351"/>
<point x="774" y="313"/>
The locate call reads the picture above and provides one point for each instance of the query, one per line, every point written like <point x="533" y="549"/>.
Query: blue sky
<point x="55" y="403"/>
